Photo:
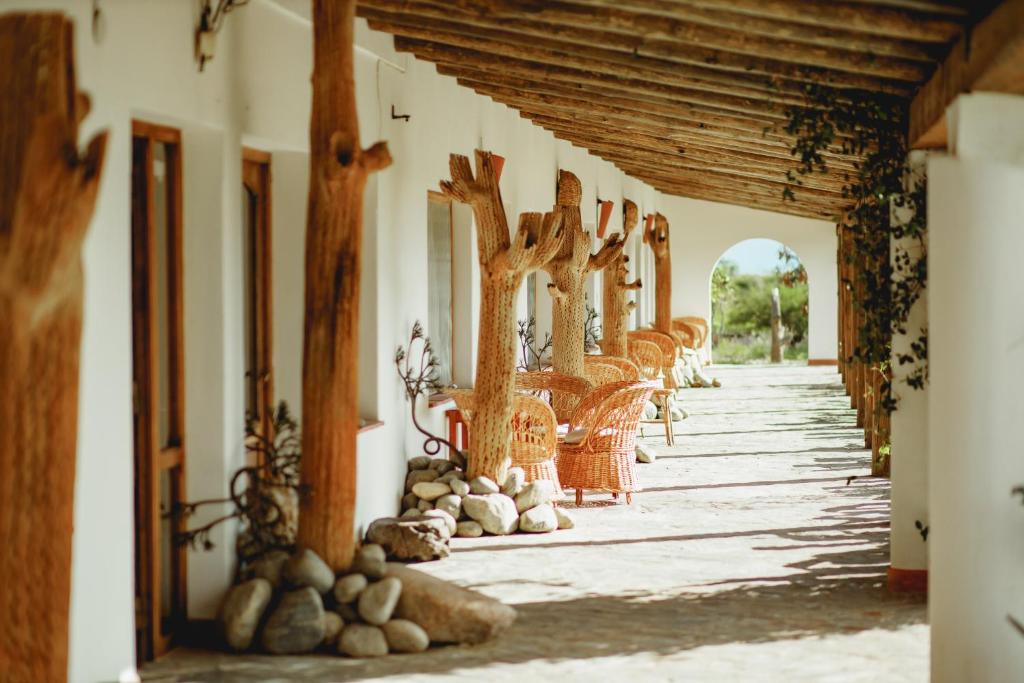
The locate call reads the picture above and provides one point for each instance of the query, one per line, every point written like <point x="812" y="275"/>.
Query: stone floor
<point x="757" y="552"/>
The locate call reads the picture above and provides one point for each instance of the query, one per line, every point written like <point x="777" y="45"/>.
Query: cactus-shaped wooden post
<point x="657" y="238"/>
<point x="504" y="263"/>
<point x="616" y="310"/>
<point x="330" y="360"/>
<point x="47" y="194"/>
<point x="569" y="270"/>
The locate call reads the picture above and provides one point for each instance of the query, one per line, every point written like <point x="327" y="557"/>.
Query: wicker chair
<point x="668" y="348"/>
<point x="630" y="372"/>
<point x="534" y="434"/>
<point x="605" y="457"/>
<point x="541" y="384"/>
<point x="600" y="374"/>
<point x="648" y="358"/>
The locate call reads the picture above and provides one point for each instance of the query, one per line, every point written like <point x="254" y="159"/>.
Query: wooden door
<point x="259" y="385"/>
<point x="158" y="366"/>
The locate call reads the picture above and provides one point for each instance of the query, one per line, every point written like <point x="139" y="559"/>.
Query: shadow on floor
<point x="832" y="592"/>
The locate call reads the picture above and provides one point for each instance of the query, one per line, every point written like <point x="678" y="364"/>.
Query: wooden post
<point x="330" y="354"/>
<point x="657" y="238"/>
<point x="47" y="195"/>
<point x="504" y="262"/>
<point x="616" y="309"/>
<point x="569" y="270"/>
<point x="776" y="323"/>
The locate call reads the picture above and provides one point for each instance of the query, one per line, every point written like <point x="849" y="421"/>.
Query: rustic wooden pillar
<point x="615" y="323"/>
<point x="504" y="262"/>
<point x="569" y="270"/>
<point x="330" y="355"/>
<point x="657" y="238"/>
<point x="47" y="195"/>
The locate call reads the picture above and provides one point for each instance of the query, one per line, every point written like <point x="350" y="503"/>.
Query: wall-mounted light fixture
<point x="498" y="162"/>
<point x="210" y="20"/>
<point x="604" y="213"/>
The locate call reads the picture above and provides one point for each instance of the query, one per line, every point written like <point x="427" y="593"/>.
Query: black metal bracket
<point x="404" y="117"/>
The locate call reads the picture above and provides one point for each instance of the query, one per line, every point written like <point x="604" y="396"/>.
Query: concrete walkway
<point x="757" y="552"/>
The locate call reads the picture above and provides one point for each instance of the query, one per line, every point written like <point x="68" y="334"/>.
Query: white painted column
<point x="908" y="551"/>
<point x="976" y="403"/>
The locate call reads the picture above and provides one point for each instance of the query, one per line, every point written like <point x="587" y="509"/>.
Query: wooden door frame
<point x="155" y="458"/>
<point x="256" y="177"/>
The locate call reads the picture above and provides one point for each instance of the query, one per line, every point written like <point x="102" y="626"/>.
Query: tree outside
<point x="741" y="310"/>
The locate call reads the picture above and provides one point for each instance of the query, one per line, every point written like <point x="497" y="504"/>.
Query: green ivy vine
<point x="871" y="127"/>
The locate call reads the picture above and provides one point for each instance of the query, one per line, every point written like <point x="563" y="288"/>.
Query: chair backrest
<point x="533" y="421"/>
<point x="541" y="384"/>
<point x="647" y="356"/>
<point x="611" y="414"/>
<point x="629" y="371"/>
<point x="600" y="374"/>
<point x="665" y="343"/>
<point x="698" y="328"/>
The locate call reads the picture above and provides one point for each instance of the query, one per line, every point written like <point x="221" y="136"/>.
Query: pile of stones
<point x="438" y="488"/>
<point x="295" y="604"/>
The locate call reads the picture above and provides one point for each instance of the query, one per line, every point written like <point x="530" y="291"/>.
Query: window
<point x="439" y="283"/>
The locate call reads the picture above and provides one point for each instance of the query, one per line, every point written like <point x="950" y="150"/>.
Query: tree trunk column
<point x="568" y="316"/>
<point x="330" y="354"/>
<point x="47" y="195"/>
<point x="495" y="386"/>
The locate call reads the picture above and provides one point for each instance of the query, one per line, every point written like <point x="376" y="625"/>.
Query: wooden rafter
<point x="691" y="96"/>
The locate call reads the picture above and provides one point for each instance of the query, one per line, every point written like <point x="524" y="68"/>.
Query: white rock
<point x="378" y="600"/>
<point x="305" y="568"/>
<point x="496" y="512"/>
<point x="333" y="623"/>
<point x="645" y="453"/>
<point x="449" y="521"/>
<point x="420" y="462"/>
<point x="540" y="519"/>
<point x="469" y="529"/>
<point x="451" y="503"/>
<point x="424" y="505"/>
<point x="418" y="477"/>
<point x="410" y="501"/>
<point x="360" y="640"/>
<point x="459" y="487"/>
<point x="348" y="588"/>
<point x="565" y="520"/>
<point x="405" y="636"/>
<point x="481" y="486"/>
<point x="412" y="512"/>
<point x="514" y="482"/>
<point x="650" y="411"/>
<point x="242" y="610"/>
<point x="440" y="465"/>
<point x="535" y="493"/>
<point x="431" y="490"/>
<point x="370" y="560"/>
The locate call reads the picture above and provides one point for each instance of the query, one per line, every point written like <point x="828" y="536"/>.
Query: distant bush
<point x="741" y="313"/>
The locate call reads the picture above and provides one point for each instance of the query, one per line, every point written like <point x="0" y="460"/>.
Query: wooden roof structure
<point x="688" y="96"/>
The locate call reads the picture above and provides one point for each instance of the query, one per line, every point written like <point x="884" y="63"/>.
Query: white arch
<point x="702" y="231"/>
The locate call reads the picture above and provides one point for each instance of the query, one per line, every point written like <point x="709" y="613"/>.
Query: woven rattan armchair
<point x="604" y="455"/>
<point x="647" y="356"/>
<point x="669" y="352"/>
<point x="534" y="434"/>
<point x="541" y="384"/>
<point x="630" y="372"/>
<point x="600" y="374"/>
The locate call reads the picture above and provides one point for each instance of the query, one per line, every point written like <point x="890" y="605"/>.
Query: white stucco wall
<point x="256" y="92"/>
<point x="701" y="231"/>
<point x="976" y="355"/>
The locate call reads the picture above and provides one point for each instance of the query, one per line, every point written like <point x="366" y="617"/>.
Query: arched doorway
<point x="742" y="286"/>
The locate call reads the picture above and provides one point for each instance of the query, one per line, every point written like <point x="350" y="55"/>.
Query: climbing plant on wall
<point x="887" y="212"/>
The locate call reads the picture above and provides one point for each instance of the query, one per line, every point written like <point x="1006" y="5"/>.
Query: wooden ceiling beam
<point x="799" y="209"/>
<point x="636" y="146"/>
<point x="723" y="41"/>
<point x="522" y="62"/>
<point x="989" y="58"/>
<point x="690" y="60"/>
<point x="594" y="110"/>
<point x="930" y="23"/>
